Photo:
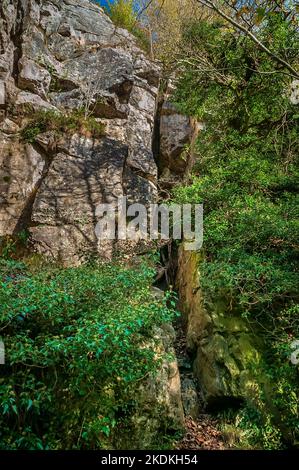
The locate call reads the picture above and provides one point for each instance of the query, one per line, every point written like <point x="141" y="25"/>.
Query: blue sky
<point x="104" y="3"/>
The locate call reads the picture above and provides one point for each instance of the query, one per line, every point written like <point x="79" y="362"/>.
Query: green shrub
<point x="246" y="176"/>
<point x="12" y="246"/>
<point x="250" y="429"/>
<point x="124" y="15"/>
<point x="76" y="349"/>
<point x="60" y="123"/>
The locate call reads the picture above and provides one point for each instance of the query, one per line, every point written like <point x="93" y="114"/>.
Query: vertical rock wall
<point x="177" y="138"/>
<point x="64" y="57"/>
<point x="226" y="353"/>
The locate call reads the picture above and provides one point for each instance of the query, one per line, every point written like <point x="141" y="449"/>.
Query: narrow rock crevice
<point x="202" y="429"/>
<point x="17" y="35"/>
<point x="156" y="142"/>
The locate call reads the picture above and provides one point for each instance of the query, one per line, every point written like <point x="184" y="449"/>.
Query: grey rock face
<point x="33" y="77"/>
<point x="294" y="95"/>
<point x="160" y="405"/>
<point x="21" y="172"/>
<point x="177" y="136"/>
<point x="176" y="132"/>
<point x="64" y="56"/>
<point x="35" y="102"/>
<point x="190" y="398"/>
<point x="227" y="354"/>
<point x="2" y="93"/>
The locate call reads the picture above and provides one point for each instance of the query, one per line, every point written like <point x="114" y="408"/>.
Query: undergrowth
<point x="78" y="344"/>
<point x="61" y="123"/>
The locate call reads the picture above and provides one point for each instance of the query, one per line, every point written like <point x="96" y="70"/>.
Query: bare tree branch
<point x="143" y="9"/>
<point x="213" y="6"/>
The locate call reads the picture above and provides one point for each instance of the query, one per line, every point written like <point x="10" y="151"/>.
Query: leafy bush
<point x="249" y="429"/>
<point x="124" y="15"/>
<point x="13" y="246"/>
<point x="246" y="177"/>
<point x="77" y="346"/>
<point x="74" y="121"/>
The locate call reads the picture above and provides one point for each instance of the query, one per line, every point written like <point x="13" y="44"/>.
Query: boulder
<point x="160" y="408"/>
<point x="26" y="100"/>
<point x="9" y="127"/>
<point x="226" y="352"/>
<point x="294" y="95"/>
<point x="175" y="135"/>
<point x="190" y="398"/>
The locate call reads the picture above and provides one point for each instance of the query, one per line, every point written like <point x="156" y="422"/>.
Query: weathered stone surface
<point x="159" y="399"/>
<point x="177" y="138"/>
<point x="32" y="101"/>
<point x="9" y="127"/>
<point x="21" y="169"/>
<point x="69" y="56"/>
<point x="190" y="398"/>
<point x="222" y="343"/>
<point x="33" y="77"/>
<point x="138" y="188"/>
<point x="8" y="22"/>
<point x="294" y="96"/>
<point x="67" y="243"/>
<point x="89" y="167"/>
<point x="2" y="93"/>
<point x="175" y="132"/>
<point x="140" y="154"/>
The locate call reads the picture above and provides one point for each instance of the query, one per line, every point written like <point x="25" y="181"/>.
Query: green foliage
<point x="246" y="177"/>
<point x="78" y="341"/>
<point x="59" y="123"/>
<point x="269" y="418"/>
<point x="12" y="245"/>
<point x="249" y="429"/>
<point x="124" y="15"/>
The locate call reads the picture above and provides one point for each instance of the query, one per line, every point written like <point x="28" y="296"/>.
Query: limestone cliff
<point x="78" y="103"/>
<point x="64" y="57"/>
<point x="82" y="123"/>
